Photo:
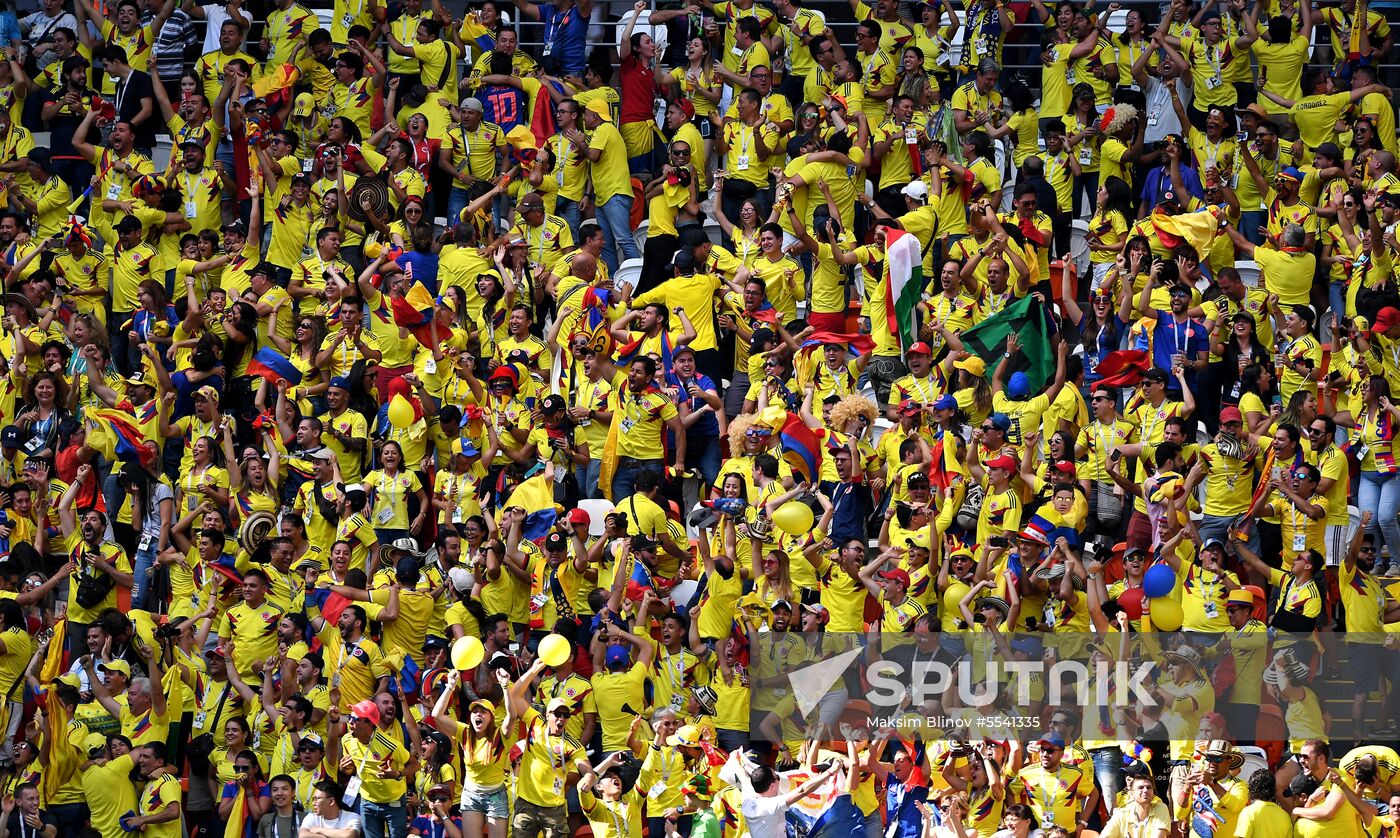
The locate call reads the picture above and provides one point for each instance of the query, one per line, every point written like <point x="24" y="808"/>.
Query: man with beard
<point x="63" y="110"/>
<point x="1179" y="342"/>
<point x="1059" y="793"/>
<point x="380" y="763"/>
<point x="201" y="188"/>
<point x="100" y="561"/>
<point x="356" y="658"/>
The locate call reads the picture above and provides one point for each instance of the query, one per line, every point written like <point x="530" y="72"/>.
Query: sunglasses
<point x="1215" y="760"/>
<point x="563" y="714"/>
<point x="681" y="152"/>
<point x="438" y="798"/>
<point x="1101" y="399"/>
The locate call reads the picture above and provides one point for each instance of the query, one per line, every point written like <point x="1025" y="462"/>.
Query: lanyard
<point x="1047" y="797"/>
<point x="1213" y="57"/>
<point x="1181" y="335"/>
<point x="1103" y="443"/>
<point x="1156" y="412"/>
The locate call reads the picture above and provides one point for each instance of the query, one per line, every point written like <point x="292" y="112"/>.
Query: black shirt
<point x="19" y="829"/>
<point x="128" y="98"/>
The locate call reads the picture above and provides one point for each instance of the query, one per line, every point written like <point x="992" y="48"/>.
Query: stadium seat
<point x="714" y="231"/>
<point x="629" y="272"/>
<point x="1118" y="21"/>
<point x="1249" y="272"/>
<point x="597" y="509"/>
<point x="640" y="234"/>
<point x="1079" y="246"/>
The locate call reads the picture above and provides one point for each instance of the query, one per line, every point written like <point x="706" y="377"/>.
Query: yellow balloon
<point x="1165" y="614"/>
<point x="400" y="412"/>
<point x="554" y="650"/>
<point x="467" y="653"/>
<point x="372" y="250"/>
<point x="794" y="518"/>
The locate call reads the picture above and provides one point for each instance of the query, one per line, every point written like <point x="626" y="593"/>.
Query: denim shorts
<point x="492" y="803"/>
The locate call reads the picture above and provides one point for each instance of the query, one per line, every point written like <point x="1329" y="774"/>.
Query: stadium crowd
<point x="739" y="347"/>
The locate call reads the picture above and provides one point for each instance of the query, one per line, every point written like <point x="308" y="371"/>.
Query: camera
<point x="679" y="177"/>
<point x="999" y="541"/>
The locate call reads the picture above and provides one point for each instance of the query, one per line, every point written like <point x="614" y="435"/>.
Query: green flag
<point x="1026" y="318"/>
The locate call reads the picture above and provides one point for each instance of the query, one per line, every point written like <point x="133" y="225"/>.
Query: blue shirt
<point x="425" y="268"/>
<point x="708" y="424"/>
<point x="1099" y="343"/>
<point x="1171" y="338"/>
<point x="505" y="106"/>
<point x="1159" y="180"/>
<point x="899" y="803"/>
<point x="850" y="506"/>
<point x="565" y="34"/>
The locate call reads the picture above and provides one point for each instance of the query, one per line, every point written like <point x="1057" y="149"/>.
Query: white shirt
<point x="766" y="816"/>
<point x="214" y="14"/>
<point x="1162" y="119"/>
<point x="346" y="820"/>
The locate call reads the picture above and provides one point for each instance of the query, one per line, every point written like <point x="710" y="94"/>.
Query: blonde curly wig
<point x="738" y="426"/>
<point x="846" y="411"/>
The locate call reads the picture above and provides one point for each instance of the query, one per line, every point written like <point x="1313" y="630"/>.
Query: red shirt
<point x="638" y="91"/>
<point x="65" y="464"/>
<point x="425" y="155"/>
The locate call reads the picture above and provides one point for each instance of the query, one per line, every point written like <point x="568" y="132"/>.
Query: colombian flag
<point x="474" y="32"/>
<point x="276" y="78"/>
<point x="329" y="604"/>
<point x="272" y="365"/>
<point x="114" y="435"/>
<point x="944" y="468"/>
<point x="414" y="312"/>
<point x="856" y="345"/>
<point x="593" y="321"/>
<point x="801" y="448"/>
<point x="536" y="496"/>
<point x="632" y="351"/>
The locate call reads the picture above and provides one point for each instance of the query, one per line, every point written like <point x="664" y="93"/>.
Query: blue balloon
<point x="1158" y="581"/>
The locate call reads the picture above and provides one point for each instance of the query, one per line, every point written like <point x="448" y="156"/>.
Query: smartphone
<point x="998" y="541"/>
<point x="1116" y="455"/>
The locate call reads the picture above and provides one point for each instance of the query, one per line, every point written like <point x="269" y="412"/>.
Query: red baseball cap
<point x="1005" y="461"/>
<point x="1386" y="319"/>
<point x="899" y="574"/>
<point x="920" y="346"/>
<point x="1065" y="466"/>
<point x="579" y="516"/>
<point x="1230" y="414"/>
